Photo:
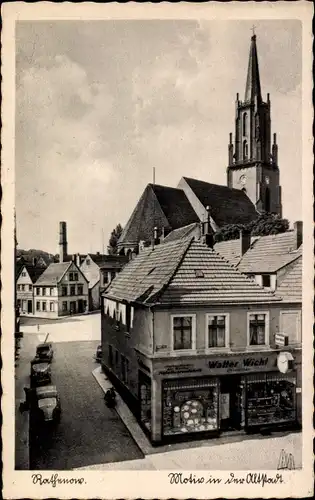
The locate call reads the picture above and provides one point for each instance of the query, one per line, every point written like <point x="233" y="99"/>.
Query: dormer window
<point x="199" y="273"/>
<point x="266" y="282"/>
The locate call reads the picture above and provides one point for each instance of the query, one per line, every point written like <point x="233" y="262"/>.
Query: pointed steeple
<point x="253" y="90"/>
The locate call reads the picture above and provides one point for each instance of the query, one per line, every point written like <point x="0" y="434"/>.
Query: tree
<point x="266" y="223"/>
<point x="113" y="240"/>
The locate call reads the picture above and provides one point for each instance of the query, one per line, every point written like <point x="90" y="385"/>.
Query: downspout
<point x="153" y="336"/>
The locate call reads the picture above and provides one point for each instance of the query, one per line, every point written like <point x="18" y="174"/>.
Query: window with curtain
<point x="216" y="331"/>
<point x="182" y="332"/>
<point x="257" y="329"/>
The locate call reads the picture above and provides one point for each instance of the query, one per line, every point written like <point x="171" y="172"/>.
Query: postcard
<point x="157" y="276"/>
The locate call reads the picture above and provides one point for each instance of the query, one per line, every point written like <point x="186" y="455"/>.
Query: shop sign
<point x="284" y="361"/>
<point x="177" y="369"/>
<point x="237" y="365"/>
<point x="281" y="339"/>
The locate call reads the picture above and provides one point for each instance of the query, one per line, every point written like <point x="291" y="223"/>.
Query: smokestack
<point x="63" y="245"/>
<point x="245" y="241"/>
<point x="298" y="229"/>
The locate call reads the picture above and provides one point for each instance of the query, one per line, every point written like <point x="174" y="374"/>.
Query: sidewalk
<point x="21" y="419"/>
<point x="230" y="452"/>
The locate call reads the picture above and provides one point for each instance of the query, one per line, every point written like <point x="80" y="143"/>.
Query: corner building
<point x="190" y="343"/>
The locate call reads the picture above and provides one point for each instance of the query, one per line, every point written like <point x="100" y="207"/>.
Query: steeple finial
<point x="253" y="30"/>
<point x="252" y="89"/>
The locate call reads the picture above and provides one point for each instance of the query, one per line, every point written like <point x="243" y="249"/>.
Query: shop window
<point x="72" y="290"/>
<point x="217" y="330"/>
<point x="64" y="306"/>
<point x="266" y="281"/>
<point x="116" y="359"/>
<point x="183" y="332"/>
<point x="110" y="355"/>
<point x="271" y="398"/>
<point x="37" y="306"/>
<point x="190" y="406"/>
<point x="258" y="329"/>
<point x="44" y="306"/>
<point x="124" y="369"/>
<point x="145" y="401"/>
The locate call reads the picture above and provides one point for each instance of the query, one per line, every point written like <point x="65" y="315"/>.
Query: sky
<point x="100" y="103"/>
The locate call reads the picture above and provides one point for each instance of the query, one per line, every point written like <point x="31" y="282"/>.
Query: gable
<point x="72" y="268"/>
<point x="24" y="279"/>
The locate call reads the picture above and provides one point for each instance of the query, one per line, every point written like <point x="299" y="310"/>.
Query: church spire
<point x="252" y="89"/>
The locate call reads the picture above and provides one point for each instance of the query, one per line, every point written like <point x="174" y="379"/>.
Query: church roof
<point x="184" y="272"/>
<point x="253" y="88"/>
<point x="227" y="205"/>
<point x="159" y="206"/>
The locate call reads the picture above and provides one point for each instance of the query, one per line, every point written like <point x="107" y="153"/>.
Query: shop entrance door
<point x="230" y="410"/>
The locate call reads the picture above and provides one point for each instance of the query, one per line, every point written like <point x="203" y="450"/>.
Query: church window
<point x="245" y="150"/>
<point x="245" y="124"/>
<point x="267" y="200"/>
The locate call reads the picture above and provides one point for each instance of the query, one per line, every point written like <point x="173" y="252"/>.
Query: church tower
<point x="253" y="160"/>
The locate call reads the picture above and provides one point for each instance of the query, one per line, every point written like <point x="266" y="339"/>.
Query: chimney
<point x="298" y="230"/>
<point x="244" y="241"/>
<point x="63" y="245"/>
<point x="77" y="259"/>
<point x="156" y="240"/>
<point x="208" y="233"/>
<point x="162" y="235"/>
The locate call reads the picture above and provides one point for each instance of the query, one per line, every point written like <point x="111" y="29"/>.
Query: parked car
<point x="40" y="372"/>
<point x="98" y="355"/>
<point x="45" y="351"/>
<point x="46" y="405"/>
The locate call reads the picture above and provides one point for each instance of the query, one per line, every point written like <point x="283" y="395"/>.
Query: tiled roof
<point x="270" y="253"/>
<point x="230" y="250"/>
<point x="182" y="232"/>
<point x="159" y="206"/>
<point x="167" y="275"/>
<point x="221" y="282"/>
<point x="290" y="289"/>
<point x="113" y="261"/>
<point x="53" y="274"/>
<point x="144" y="275"/>
<point x="227" y="205"/>
<point x="35" y="272"/>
